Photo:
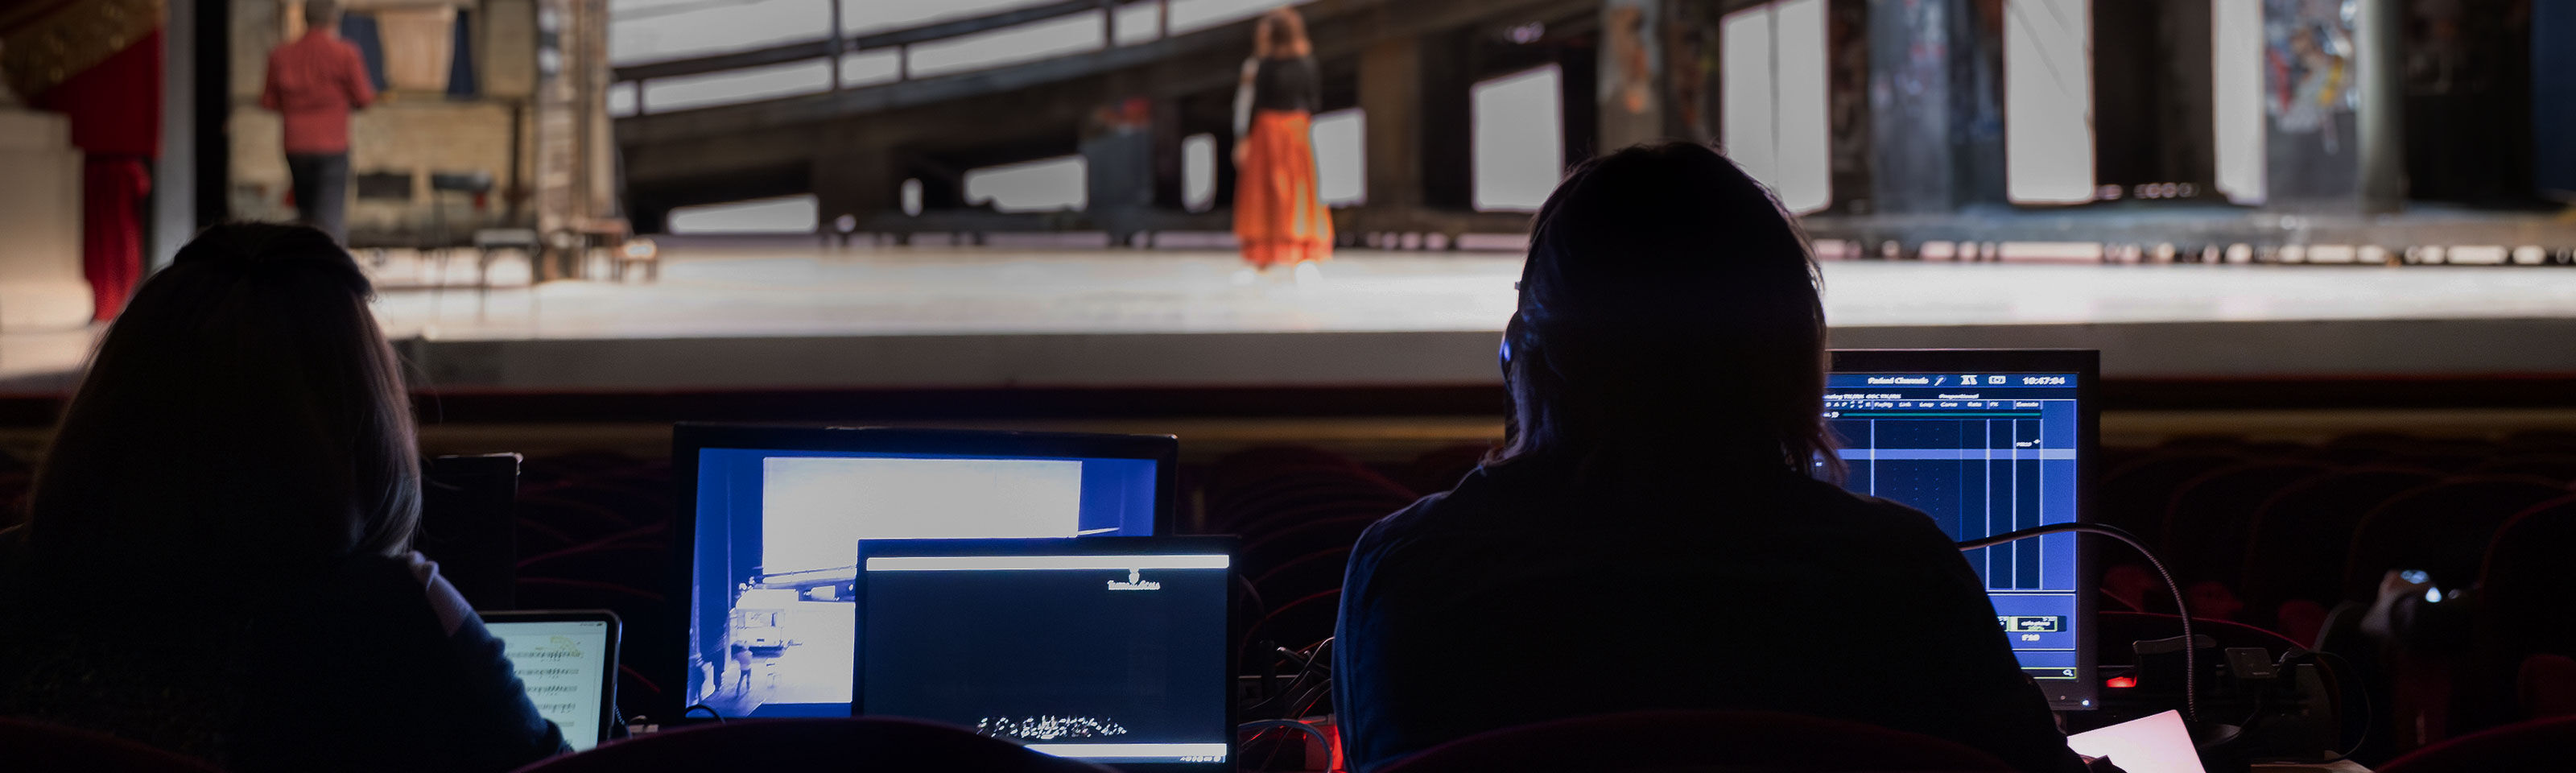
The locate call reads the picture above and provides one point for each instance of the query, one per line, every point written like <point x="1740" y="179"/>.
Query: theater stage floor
<point x="748" y="314"/>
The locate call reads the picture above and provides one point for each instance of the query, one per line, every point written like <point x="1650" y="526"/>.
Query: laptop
<point x="766" y="537"/>
<point x="1112" y="650"/>
<point x="567" y="660"/>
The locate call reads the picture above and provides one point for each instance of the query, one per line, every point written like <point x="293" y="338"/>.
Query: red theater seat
<point x="2208" y="518"/>
<point x="2529" y="747"/>
<point x="2133" y="496"/>
<point x="2300" y="536"/>
<point x="33" y="747"/>
<point x="2523" y="632"/>
<point x="859" y="743"/>
<point x="1696" y="742"/>
<point x="2442" y="528"/>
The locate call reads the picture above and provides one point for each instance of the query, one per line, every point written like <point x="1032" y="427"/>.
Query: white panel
<point x="747" y="85"/>
<point x="1744" y="92"/>
<point x="869" y="67"/>
<point x="1027" y="42"/>
<point x="2048" y="101"/>
<point x="621" y="100"/>
<point x="1188" y="15"/>
<point x="674" y="29"/>
<point x="1804" y="176"/>
<point x="1036" y="186"/>
<point x="794" y="214"/>
<point x="1519" y="140"/>
<point x="2236" y="66"/>
<point x="1198" y="172"/>
<point x="864" y="16"/>
<point x="1136" y="23"/>
<point x="1341" y="157"/>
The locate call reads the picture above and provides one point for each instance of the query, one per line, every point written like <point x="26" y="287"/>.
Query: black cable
<point x="1314" y="656"/>
<point x="710" y="710"/>
<point x="2190" y="645"/>
<point x="2348" y="682"/>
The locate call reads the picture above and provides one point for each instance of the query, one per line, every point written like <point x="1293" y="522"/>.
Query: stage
<point x="745" y="314"/>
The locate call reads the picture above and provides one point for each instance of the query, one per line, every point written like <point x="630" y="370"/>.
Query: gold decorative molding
<point x="40" y="53"/>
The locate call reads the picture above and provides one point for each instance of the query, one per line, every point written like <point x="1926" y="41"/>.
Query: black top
<point x="356" y="673"/>
<point x="1516" y="599"/>
<point x="1287" y="84"/>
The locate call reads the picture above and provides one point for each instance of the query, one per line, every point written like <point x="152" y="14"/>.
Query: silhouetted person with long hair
<point x="1279" y="213"/>
<point x="1653" y="534"/>
<point x="217" y="559"/>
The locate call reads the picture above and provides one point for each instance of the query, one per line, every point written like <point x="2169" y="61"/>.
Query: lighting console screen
<point x="1983" y="454"/>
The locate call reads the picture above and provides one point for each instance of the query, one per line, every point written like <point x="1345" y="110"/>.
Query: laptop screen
<point x="1117" y="658"/>
<point x="567" y="667"/>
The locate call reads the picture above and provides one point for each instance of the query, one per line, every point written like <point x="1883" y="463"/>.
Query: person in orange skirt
<point x="1279" y="216"/>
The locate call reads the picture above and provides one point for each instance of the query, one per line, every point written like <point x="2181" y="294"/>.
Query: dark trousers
<point x="322" y="191"/>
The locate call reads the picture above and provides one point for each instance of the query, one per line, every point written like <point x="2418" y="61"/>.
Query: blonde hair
<point x="1281" y="35"/>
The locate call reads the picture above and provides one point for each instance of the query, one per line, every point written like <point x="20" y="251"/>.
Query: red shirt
<point x="316" y="81"/>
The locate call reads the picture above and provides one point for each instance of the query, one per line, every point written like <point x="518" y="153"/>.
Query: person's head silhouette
<point x="243" y="424"/>
<point x="1669" y="306"/>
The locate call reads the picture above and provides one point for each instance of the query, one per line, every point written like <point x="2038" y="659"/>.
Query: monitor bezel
<point x="2086" y="694"/>
<point x="689" y="438"/>
<point x="608" y="719"/>
<point x="1081" y="546"/>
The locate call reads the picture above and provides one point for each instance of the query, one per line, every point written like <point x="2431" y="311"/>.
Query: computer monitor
<point x="1987" y="442"/>
<point x="771" y="516"/>
<point x="567" y="661"/>
<point x="1115" y="651"/>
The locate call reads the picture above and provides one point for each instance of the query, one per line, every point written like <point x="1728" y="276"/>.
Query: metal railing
<point x="839" y="46"/>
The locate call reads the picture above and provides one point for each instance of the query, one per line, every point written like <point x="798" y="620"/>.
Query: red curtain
<point x="115" y="110"/>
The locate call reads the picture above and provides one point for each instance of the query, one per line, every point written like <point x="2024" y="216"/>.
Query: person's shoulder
<point x="1423" y="515"/>
<point x="1865" y="514"/>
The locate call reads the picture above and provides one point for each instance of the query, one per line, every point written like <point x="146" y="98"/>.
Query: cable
<point x="2343" y="684"/>
<point x="710" y="710"/>
<point x="2190" y="645"/>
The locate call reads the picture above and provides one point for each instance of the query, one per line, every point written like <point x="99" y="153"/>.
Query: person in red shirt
<point x="315" y="82"/>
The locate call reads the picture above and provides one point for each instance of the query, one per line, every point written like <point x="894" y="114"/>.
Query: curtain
<point x="361" y="31"/>
<point x="115" y="110"/>
<point x="460" y="71"/>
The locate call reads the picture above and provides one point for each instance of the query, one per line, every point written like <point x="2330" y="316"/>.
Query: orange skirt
<point x="1278" y="214"/>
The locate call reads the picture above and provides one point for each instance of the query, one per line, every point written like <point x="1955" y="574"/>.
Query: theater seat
<point x="2443" y="528"/>
<point x="858" y="743"/>
<point x="2529" y="747"/>
<point x="2300" y="536"/>
<point x="34" y="747"/>
<point x="1696" y="742"/>
<point x="2546" y="686"/>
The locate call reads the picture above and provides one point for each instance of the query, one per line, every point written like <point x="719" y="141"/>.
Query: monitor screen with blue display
<point x="778" y="512"/>
<point x="1987" y="442"/>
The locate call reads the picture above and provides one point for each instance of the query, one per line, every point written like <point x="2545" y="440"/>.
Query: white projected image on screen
<point x="814" y="510"/>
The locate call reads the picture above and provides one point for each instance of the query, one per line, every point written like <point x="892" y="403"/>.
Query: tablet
<point x="567" y="660"/>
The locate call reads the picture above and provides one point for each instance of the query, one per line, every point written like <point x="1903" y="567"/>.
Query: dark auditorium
<point x="1288" y="386"/>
